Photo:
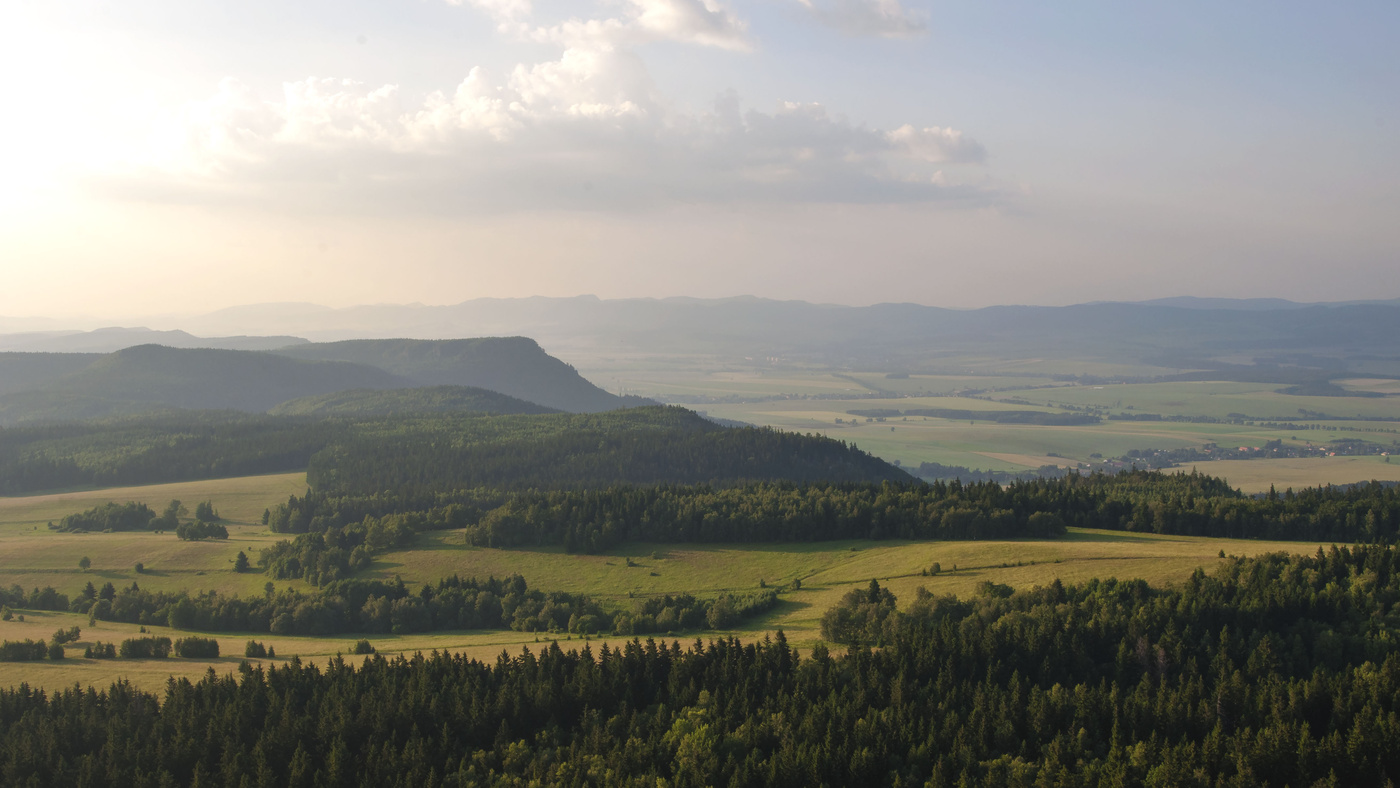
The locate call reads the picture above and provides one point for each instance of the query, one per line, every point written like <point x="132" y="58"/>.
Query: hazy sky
<point x="185" y="155"/>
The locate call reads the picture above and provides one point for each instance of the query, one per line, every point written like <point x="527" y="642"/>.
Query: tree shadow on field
<point x="1110" y="536"/>
<point x="784" y="608"/>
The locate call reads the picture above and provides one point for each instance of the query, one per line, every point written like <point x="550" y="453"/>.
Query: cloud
<point x="883" y="18"/>
<point x="697" y="22"/>
<point x="703" y="22"/>
<point x="937" y="145"/>
<point x="588" y="129"/>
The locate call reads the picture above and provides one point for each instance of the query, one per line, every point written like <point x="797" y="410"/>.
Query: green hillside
<point x="20" y="371"/>
<point x="515" y="366"/>
<point x="424" y="451"/>
<point x="653" y="445"/>
<point x="147" y="376"/>
<point x="432" y="399"/>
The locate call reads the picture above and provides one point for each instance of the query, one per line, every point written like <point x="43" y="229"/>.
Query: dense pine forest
<point x="331" y="527"/>
<point x="423" y="452"/>
<point x="378" y="607"/>
<point x="1275" y="671"/>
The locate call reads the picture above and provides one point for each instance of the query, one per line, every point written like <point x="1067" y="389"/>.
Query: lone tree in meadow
<point x="240" y="564"/>
<point x="84" y="563"/>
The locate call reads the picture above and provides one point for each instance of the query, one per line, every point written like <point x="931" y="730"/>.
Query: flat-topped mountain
<point x="517" y="376"/>
<point x="515" y="366"/>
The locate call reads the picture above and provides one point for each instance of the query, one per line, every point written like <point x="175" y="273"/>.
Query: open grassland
<point x="240" y="500"/>
<point x="826" y="571"/>
<point x="1371" y="385"/>
<point x="1254" y="476"/>
<point x="33" y="556"/>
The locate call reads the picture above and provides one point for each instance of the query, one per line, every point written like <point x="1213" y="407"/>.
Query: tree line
<point x="1280" y="670"/>
<point x="135" y="516"/>
<point x="337" y="535"/>
<point x="379" y="607"/>
<point x="350" y="529"/>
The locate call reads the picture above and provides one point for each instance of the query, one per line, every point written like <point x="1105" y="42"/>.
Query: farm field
<point x="1254" y="476"/>
<point x="990" y="445"/>
<point x="826" y="571"/>
<point x="654" y="375"/>
<point x="1217" y="399"/>
<point x="987" y="445"/>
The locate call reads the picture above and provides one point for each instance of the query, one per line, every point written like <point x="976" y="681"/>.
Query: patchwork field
<point x="812" y="400"/>
<point x="826" y="571"/>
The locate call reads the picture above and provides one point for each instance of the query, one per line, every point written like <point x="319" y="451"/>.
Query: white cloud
<point x="588" y="129"/>
<point x="937" y="145"/>
<point x="702" y="22"/>
<point x="884" y="18"/>
<point x="698" y="22"/>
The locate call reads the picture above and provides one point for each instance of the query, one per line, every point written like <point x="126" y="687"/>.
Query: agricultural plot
<point x="989" y="445"/>
<point x="827" y="571"/>
<point x="1255" y="476"/>
<point x="1217" y="399"/>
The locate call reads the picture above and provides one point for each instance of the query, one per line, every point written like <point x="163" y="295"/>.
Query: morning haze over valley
<point x="699" y="393"/>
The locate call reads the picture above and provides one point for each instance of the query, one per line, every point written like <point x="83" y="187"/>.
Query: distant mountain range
<point x="107" y="340"/>
<point x="1179" y="333"/>
<point x="519" y="377"/>
<point x="1182" y="333"/>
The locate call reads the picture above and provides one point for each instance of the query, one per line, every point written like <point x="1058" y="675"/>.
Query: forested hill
<point x="653" y="445"/>
<point x="39" y="387"/>
<point x="149" y="377"/>
<point x="20" y="371"/>
<point x="431" y="399"/>
<point x="422" y="452"/>
<point x="516" y="366"/>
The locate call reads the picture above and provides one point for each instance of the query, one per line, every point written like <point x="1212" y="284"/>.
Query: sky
<point x="180" y="156"/>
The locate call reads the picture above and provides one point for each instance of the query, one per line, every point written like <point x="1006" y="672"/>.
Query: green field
<point x="827" y="570"/>
<point x="811" y="401"/>
<point x="1218" y="399"/>
<point x="33" y="556"/>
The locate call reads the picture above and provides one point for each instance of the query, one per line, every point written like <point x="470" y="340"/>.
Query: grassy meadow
<point x="806" y="400"/>
<point x="34" y="556"/>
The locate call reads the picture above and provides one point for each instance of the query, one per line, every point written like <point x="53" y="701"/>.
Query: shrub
<point x="197" y="648"/>
<point x="100" y="650"/>
<point x="56" y="651"/>
<point x="144" y="648"/>
<point x="362" y="647"/>
<point x="22" y="650"/>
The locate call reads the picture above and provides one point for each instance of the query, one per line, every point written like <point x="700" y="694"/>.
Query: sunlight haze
<point x="165" y="157"/>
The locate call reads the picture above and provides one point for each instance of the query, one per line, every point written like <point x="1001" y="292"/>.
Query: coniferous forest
<point x="1281" y="670"/>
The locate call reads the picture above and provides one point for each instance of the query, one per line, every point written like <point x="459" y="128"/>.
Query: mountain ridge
<point x="59" y="387"/>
